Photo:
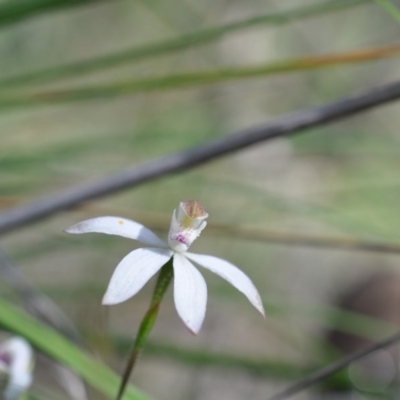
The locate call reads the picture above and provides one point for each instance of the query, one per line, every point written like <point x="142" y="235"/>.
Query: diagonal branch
<point x="323" y="373"/>
<point x="159" y="167"/>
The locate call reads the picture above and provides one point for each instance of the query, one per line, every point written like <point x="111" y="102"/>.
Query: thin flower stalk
<point x="173" y="260"/>
<point x="147" y="323"/>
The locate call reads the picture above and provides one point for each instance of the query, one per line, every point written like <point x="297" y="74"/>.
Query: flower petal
<point x="190" y="293"/>
<point x="117" y="226"/>
<point x="133" y="272"/>
<point x="232" y="274"/>
<point x="182" y="233"/>
<point x="20" y="366"/>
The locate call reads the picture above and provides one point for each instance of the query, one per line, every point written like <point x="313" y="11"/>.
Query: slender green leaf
<point x="172" y="45"/>
<point x="13" y="11"/>
<point x="56" y="346"/>
<point x="185" y="80"/>
<point x="390" y="8"/>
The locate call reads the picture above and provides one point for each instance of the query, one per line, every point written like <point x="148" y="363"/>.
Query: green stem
<point x="147" y="323"/>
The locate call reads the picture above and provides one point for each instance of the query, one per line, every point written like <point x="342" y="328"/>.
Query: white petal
<point x="21" y="363"/>
<point x="190" y="293"/>
<point x="117" y="226"/>
<point x="18" y="383"/>
<point x="133" y="272"/>
<point x="232" y="274"/>
<point x="186" y="225"/>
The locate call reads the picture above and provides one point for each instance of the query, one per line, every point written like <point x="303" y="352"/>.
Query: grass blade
<point x="14" y="11"/>
<point x="390" y="8"/>
<point x="172" y="45"/>
<point x="187" y="80"/>
<point x="155" y="168"/>
<point x="56" y="346"/>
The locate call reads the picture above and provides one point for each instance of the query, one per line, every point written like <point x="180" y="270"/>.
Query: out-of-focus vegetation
<point x="90" y="87"/>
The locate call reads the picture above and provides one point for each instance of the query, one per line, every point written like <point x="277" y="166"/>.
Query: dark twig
<point x="323" y="373"/>
<point x="159" y="167"/>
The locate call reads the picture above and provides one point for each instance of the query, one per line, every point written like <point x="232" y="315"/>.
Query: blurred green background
<point x="88" y="88"/>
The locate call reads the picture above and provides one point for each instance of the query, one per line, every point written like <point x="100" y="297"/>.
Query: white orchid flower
<point x="135" y="269"/>
<point x="16" y="364"/>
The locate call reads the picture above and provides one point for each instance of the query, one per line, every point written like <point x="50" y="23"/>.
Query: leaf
<point x="171" y="45"/>
<point x="56" y="346"/>
<point x="13" y="11"/>
<point x="190" y="79"/>
<point x="390" y="8"/>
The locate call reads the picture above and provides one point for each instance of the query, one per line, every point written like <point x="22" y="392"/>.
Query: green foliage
<point x="163" y="47"/>
<point x="12" y="11"/>
<point x="54" y="345"/>
<point x="95" y="92"/>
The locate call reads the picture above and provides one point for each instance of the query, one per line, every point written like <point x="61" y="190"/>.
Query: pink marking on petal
<point x="180" y="239"/>
<point x="5" y="358"/>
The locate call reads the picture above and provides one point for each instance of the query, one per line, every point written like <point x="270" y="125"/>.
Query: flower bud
<point x="186" y="225"/>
